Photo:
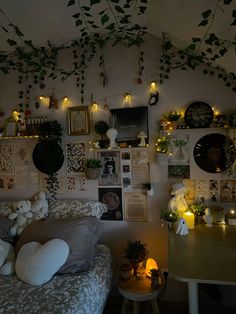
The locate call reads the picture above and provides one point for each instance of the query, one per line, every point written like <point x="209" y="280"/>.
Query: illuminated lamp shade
<point x="95" y="107"/>
<point x="154" y="94"/>
<point x="150" y="264"/>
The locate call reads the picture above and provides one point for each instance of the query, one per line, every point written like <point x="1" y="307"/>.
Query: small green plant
<point x="135" y="251"/>
<point x="147" y="186"/>
<point x="93" y="163"/>
<point x="173" y="116"/>
<point x="198" y="209"/>
<point x="169" y="215"/>
<point x="101" y="127"/>
<point x="162" y="144"/>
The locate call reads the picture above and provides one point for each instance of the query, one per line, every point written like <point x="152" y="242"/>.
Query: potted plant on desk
<point x="170" y="216"/>
<point x="198" y="209"/>
<point x="162" y="149"/>
<point x="135" y="252"/>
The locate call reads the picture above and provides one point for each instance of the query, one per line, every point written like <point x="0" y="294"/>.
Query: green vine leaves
<point x="203" y="51"/>
<point x="102" y="22"/>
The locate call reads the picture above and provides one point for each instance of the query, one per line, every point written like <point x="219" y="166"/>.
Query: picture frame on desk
<point x="78" y="120"/>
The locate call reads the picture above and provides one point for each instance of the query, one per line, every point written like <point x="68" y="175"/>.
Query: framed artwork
<point x="10" y="127"/>
<point x="78" y="120"/>
<point x="112" y="197"/>
<point x="228" y="190"/>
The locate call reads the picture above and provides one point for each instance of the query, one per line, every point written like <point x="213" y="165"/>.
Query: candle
<point x="189" y="218"/>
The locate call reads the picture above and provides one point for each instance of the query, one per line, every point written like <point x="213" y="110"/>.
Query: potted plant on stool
<point x="135" y="252"/>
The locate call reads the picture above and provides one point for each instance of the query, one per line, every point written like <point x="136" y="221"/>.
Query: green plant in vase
<point x="135" y="252"/>
<point x="198" y="209"/>
<point x="162" y="144"/>
<point x="92" y="169"/>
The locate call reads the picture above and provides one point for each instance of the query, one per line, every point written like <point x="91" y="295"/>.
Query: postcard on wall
<point x="9" y="182"/>
<point x="6" y="159"/>
<point x="71" y="183"/>
<point x="214" y="190"/>
<point x="140" y="174"/>
<point x="140" y="156"/>
<point x="179" y="171"/>
<point x="110" y="174"/>
<point x="75" y="158"/>
<point x="126" y="156"/>
<point x="201" y="190"/>
<point x="22" y="153"/>
<point x="190" y="187"/>
<point x="34" y="177"/>
<point x="21" y="177"/>
<point x="228" y="190"/>
<point x="135" y="206"/>
<point x="81" y="183"/>
<point x="112" y="197"/>
<point x="2" y="182"/>
<point x="179" y="150"/>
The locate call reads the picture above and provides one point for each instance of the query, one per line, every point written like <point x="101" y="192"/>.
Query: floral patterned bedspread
<point x="63" y="294"/>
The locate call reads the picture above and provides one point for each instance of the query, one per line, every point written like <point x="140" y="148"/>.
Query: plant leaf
<point x="203" y="23"/>
<point x="206" y="14"/>
<point x="71" y="2"/>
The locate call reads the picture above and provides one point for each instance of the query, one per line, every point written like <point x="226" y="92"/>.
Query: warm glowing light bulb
<point x="232" y="211"/>
<point x="95" y="107"/>
<point x="153" y="87"/>
<point x="65" y="99"/>
<point x="128" y="98"/>
<point x="41" y="97"/>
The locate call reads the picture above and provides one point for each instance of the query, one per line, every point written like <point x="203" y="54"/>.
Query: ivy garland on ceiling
<point x="114" y="26"/>
<point x="202" y="51"/>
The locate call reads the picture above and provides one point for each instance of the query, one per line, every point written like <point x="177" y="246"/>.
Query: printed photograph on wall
<point x="6" y="162"/>
<point x="112" y="197"/>
<point x="179" y="150"/>
<point x="135" y="206"/>
<point x="228" y="190"/>
<point x="214" y="190"/>
<point x="75" y="158"/>
<point x="179" y="171"/>
<point x="110" y="173"/>
<point x="190" y="187"/>
<point x="22" y="153"/>
<point x="201" y="190"/>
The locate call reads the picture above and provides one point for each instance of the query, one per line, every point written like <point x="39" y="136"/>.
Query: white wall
<point x="182" y="89"/>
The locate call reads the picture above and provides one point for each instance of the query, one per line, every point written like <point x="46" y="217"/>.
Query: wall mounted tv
<point x="129" y="123"/>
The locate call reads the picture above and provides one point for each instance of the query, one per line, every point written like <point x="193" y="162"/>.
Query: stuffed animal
<point x="182" y="228"/>
<point x="7" y="258"/>
<point x="40" y="206"/>
<point x="22" y="215"/>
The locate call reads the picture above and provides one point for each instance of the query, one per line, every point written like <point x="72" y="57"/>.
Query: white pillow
<point x="37" y="263"/>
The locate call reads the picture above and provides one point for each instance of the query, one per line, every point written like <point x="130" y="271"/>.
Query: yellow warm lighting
<point x="127" y="98"/>
<point x="15" y="115"/>
<point x="150" y="264"/>
<point x="41" y="98"/>
<point x="94" y="107"/>
<point x="189" y="218"/>
<point x="232" y="211"/>
<point x="153" y="87"/>
<point x="65" y="99"/>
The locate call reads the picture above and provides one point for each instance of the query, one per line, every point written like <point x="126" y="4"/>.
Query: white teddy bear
<point x="40" y="206"/>
<point x="7" y="258"/>
<point x="22" y="215"/>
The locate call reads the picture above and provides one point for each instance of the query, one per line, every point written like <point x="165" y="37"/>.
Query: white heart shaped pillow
<point x="37" y="263"/>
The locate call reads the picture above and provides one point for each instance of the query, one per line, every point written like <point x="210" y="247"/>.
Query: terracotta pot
<point x="92" y="173"/>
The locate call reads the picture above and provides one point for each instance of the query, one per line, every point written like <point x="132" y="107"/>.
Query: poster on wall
<point x="190" y="187"/>
<point x="135" y="206"/>
<point x="22" y="153"/>
<point x="201" y="190"/>
<point x="75" y="158"/>
<point x="214" y="190"/>
<point x="6" y="159"/>
<point x="228" y="190"/>
<point x="179" y="171"/>
<point x="110" y="174"/>
<point x="179" y="150"/>
<point x="112" y="197"/>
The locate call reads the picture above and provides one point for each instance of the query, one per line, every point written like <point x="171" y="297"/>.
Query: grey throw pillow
<point x="81" y="235"/>
<point x="5" y="225"/>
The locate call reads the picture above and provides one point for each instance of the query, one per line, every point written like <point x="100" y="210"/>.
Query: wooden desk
<point x="205" y="255"/>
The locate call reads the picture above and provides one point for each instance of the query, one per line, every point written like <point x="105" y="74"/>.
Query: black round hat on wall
<point x="48" y="157"/>
<point x="214" y="153"/>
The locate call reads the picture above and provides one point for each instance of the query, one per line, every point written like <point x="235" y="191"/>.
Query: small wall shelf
<point x="19" y="137"/>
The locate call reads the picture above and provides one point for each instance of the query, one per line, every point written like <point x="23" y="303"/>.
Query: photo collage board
<point x="120" y="185"/>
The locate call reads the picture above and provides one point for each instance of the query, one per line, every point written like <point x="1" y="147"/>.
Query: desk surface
<point x="206" y="255"/>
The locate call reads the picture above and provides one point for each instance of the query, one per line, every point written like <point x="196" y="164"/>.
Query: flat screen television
<point x="129" y="123"/>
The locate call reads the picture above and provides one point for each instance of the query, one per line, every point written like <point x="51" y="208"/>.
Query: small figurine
<point x="178" y="201"/>
<point x="208" y="217"/>
<point x="142" y="137"/>
<point x="96" y="145"/>
<point x="182" y="228"/>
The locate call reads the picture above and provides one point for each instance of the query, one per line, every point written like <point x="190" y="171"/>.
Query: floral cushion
<point x="70" y="208"/>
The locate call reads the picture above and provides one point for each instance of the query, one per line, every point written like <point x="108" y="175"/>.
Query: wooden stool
<point x="138" y="290"/>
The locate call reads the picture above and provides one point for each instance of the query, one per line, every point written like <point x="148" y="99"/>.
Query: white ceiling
<point x="43" y="20"/>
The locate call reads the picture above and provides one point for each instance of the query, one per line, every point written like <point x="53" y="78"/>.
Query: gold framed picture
<point x="78" y="120"/>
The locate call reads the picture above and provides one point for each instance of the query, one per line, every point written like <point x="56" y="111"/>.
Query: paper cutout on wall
<point x="75" y="158"/>
<point x="179" y="150"/>
<point x="6" y="162"/>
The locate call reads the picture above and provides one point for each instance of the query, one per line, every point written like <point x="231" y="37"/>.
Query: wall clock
<point x="198" y="115"/>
